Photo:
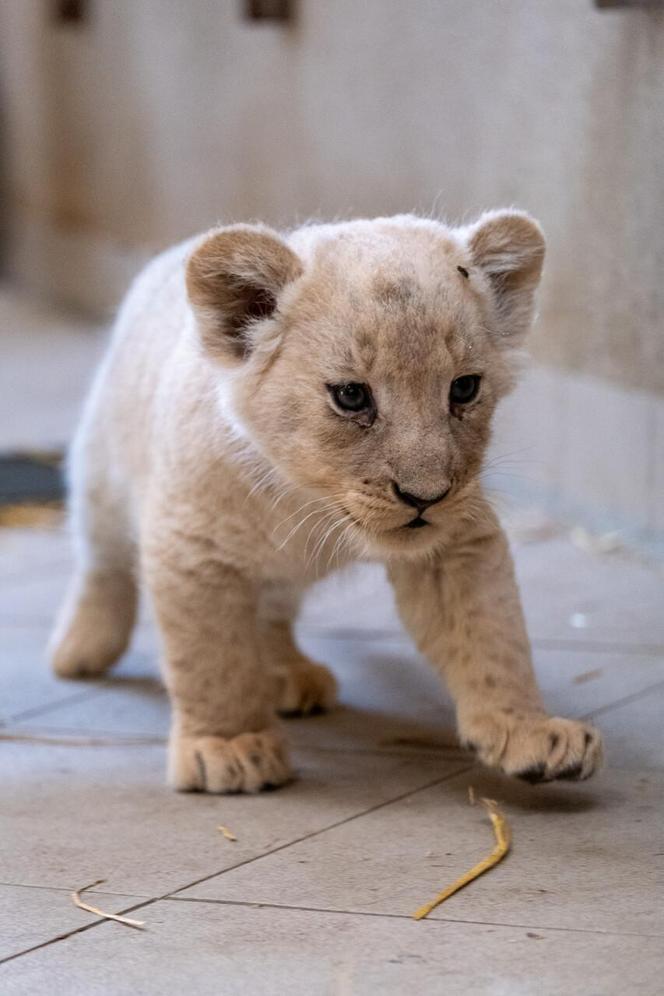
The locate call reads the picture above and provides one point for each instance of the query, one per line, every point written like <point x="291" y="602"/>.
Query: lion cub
<point x="273" y="405"/>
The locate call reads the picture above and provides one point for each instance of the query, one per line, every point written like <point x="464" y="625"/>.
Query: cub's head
<point x="364" y="360"/>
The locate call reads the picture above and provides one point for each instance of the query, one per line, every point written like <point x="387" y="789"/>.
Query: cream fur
<point x="213" y="459"/>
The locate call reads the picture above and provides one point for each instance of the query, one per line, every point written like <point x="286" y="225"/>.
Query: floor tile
<point x="82" y="813"/>
<point x="568" y="593"/>
<point x="26" y="683"/>
<point x="390" y="697"/>
<point x="209" y="949"/>
<point x="576" y="682"/>
<point x="33" y="598"/>
<point x="28" y="688"/>
<point x="52" y="355"/>
<point x="578" y="597"/>
<point x="359" y="597"/>
<point x="633" y="732"/>
<point x="29" y="916"/>
<point x="606" y="428"/>
<point x="583" y="857"/>
<point x="26" y="552"/>
<point x="527" y="452"/>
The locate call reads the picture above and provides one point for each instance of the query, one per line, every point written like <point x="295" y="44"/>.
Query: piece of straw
<point x="76" y="898"/>
<point x="501" y="829"/>
<point x="82" y="741"/>
<point x="228" y="834"/>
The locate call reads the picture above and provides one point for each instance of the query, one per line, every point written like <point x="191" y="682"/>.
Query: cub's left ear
<point x="508" y="246"/>
<point x="234" y="279"/>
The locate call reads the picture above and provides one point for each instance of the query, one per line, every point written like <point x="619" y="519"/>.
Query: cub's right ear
<point x="234" y="278"/>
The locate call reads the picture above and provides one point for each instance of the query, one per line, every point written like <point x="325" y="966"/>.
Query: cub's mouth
<point x="416" y="523"/>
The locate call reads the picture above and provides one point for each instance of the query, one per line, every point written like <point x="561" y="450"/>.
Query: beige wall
<point x="162" y="116"/>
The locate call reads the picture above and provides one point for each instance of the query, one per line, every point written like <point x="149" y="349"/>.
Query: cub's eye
<point x="351" y="397"/>
<point x="464" y="389"/>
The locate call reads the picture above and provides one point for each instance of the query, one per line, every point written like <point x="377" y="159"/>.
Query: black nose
<point x="414" y="501"/>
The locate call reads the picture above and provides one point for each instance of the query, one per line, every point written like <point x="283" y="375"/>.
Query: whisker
<point x="322" y="524"/>
<point x="320" y="545"/>
<point x="298" y="525"/>
<point x="322" y="498"/>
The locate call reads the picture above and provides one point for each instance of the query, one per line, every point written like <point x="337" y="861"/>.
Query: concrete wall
<point x="156" y="118"/>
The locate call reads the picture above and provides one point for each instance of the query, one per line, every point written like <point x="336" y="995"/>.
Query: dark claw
<point x="533" y="775"/>
<point x="316" y="710"/>
<point x="571" y="774"/>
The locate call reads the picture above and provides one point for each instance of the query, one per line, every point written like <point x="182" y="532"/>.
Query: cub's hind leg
<point x="303" y="686"/>
<point x="95" y="622"/>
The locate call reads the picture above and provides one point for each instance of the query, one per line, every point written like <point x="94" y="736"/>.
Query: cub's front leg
<point x="463" y="610"/>
<point x="224" y="736"/>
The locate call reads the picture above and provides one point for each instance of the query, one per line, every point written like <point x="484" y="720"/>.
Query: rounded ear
<point x="234" y="278"/>
<point x="508" y="246"/>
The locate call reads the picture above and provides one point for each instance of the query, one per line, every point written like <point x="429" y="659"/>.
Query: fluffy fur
<point x="213" y="455"/>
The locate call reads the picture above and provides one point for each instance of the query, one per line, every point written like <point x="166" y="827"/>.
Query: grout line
<point x="331" y="826"/>
<point x="69" y="889"/>
<point x="443" y="921"/>
<point x="541" y="643"/>
<point x="444" y="752"/>
<point x="404" y="916"/>
<point x="46" y="944"/>
<point x="79" y="930"/>
<point x="119" y="738"/>
<point x="634" y="697"/>
<point x="173" y="893"/>
<point x="37" y="711"/>
<point x="599" y="646"/>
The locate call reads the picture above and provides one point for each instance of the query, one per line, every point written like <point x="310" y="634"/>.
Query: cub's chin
<point x="410" y="540"/>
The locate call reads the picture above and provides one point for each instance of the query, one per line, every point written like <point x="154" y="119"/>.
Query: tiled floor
<point x="315" y="896"/>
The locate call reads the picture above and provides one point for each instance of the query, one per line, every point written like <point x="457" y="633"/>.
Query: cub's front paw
<point x="305" y="687"/>
<point x="533" y="746"/>
<point x="246" y="763"/>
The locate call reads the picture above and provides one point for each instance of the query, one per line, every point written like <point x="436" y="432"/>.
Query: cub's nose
<point x="416" y="501"/>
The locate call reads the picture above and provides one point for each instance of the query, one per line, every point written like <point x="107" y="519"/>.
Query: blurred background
<point x="126" y="125"/>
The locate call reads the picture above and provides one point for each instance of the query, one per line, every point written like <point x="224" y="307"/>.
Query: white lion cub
<point x="272" y="404"/>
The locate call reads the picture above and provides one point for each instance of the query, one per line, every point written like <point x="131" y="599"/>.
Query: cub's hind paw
<point x="84" y="652"/>
<point x="306" y="688"/>
<point x="534" y="747"/>
<point x="246" y="763"/>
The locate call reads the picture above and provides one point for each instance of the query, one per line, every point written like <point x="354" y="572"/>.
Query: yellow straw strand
<point x="503" y="834"/>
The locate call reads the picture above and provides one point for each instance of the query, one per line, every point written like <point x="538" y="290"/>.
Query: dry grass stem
<point x="503" y="834"/>
<point x="76" y="898"/>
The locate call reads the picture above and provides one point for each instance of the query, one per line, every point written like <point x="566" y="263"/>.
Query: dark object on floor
<point x="31" y="477"/>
